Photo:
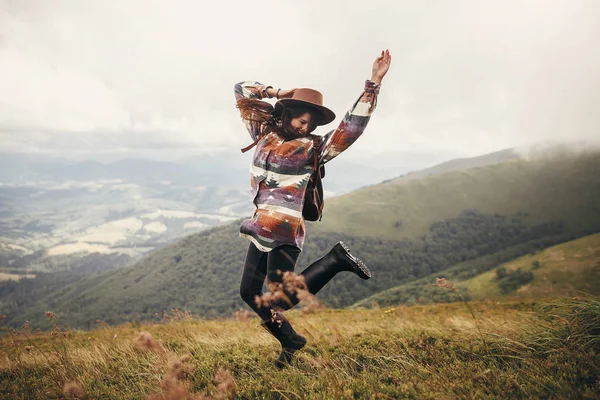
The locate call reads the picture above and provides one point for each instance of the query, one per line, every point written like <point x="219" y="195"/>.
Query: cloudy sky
<point x="156" y="77"/>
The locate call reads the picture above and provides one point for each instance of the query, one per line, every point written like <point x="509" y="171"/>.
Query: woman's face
<point x="300" y="125"/>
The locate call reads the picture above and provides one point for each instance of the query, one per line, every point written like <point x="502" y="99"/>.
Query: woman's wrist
<point x="264" y="91"/>
<point x="271" y="92"/>
<point x="371" y="86"/>
<point x="376" y="80"/>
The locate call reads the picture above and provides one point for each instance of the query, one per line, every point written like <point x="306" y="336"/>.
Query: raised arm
<point x="251" y="90"/>
<point x="257" y="91"/>
<point x="355" y="121"/>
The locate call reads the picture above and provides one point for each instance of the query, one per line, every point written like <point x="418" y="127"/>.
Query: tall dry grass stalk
<point x="61" y="367"/>
<point x="446" y="284"/>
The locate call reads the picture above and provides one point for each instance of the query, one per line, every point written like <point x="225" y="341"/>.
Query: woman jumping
<point x="279" y="174"/>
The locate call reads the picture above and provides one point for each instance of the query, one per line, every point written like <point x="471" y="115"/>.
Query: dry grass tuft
<point x="291" y="285"/>
<point x="443" y="283"/>
<point x="243" y="315"/>
<point x="146" y="342"/>
<point x="175" y="387"/>
<point x="172" y="390"/>
<point x="274" y="294"/>
<point x="225" y="384"/>
<point x="174" y="314"/>
<point x="180" y="368"/>
<point x="72" y="390"/>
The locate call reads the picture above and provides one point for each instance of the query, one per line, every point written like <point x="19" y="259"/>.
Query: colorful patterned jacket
<point x="281" y="168"/>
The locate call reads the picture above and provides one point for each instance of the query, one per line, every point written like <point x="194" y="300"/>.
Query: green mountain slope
<point x="547" y="188"/>
<point x="567" y="269"/>
<point x="403" y="231"/>
<point x="562" y="270"/>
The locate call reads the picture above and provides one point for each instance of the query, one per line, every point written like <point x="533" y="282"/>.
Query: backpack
<point x="313" y="197"/>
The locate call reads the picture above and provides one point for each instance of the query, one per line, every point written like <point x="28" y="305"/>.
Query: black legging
<point x="260" y="265"/>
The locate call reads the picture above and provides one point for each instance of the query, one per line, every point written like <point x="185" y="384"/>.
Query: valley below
<point x="44" y="221"/>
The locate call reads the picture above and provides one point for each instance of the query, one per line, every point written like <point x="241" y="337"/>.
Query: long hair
<point x="260" y="112"/>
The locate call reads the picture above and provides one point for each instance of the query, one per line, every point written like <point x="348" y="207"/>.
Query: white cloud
<point x="467" y="75"/>
<point x="45" y="97"/>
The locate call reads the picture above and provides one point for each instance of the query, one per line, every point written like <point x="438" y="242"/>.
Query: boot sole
<point x="359" y="267"/>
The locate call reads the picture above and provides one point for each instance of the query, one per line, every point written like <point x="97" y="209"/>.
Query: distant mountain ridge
<point x="461" y="164"/>
<point x="17" y="168"/>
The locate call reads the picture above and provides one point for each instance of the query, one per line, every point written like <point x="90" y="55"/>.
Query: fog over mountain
<point x="154" y="80"/>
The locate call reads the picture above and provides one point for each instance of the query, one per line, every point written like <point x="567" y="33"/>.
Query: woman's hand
<point x="381" y="66"/>
<point x="256" y="90"/>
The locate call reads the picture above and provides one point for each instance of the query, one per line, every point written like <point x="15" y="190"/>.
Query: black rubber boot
<point x="348" y="262"/>
<point x="320" y="272"/>
<point x="290" y="341"/>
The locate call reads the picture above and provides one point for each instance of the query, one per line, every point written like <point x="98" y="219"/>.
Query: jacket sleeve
<point x="251" y="90"/>
<point x="352" y="126"/>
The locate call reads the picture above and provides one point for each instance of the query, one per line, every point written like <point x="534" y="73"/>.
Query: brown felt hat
<point x="305" y="97"/>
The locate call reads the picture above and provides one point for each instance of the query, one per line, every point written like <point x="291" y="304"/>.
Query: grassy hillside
<point x="504" y="350"/>
<point x="563" y="270"/>
<point x="403" y="231"/>
<point x="566" y="269"/>
<point x="562" y="187"/>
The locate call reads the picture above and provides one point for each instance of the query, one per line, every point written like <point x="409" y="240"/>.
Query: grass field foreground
<point x="480" y="350"/>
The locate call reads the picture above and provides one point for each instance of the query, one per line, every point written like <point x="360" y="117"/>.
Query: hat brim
<point x="324" y="114"/>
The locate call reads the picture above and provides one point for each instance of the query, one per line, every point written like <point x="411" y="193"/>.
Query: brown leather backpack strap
<point x="316" y="147"/>
<point x="245" y="149"/>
